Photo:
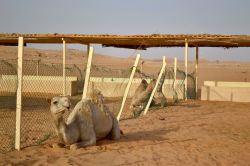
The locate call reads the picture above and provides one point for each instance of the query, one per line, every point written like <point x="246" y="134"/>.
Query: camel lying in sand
<point x="159" y="97"/>
<point x="90" y="121"/>
<point x="141" y="97"/>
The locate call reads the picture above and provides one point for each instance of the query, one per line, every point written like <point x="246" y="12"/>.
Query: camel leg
<point x="115" y="131"/>
<point x="88" y="138"/>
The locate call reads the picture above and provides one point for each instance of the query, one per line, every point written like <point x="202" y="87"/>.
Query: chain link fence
<point x="8" y="89"/>
<point x="43" y="80"/>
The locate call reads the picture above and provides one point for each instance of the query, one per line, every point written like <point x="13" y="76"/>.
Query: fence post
<point x="64" y="67"/>
<point x="19" y="93"/>
<point x="86" y="81"/>
<point x="37" y="67"/>
<point x="196" y="72"/>
<point x="157" y="82"/>
<point x="128" y="86"/>
<point x="186" y="69"/>
<point x="142" y="66"/>
<point x="175" y="70"/>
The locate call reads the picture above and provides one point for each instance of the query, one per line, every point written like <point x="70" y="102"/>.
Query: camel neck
<point x="59" y="122"/>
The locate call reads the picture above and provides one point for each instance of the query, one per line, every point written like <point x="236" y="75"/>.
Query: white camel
<point x="90" y="121"/>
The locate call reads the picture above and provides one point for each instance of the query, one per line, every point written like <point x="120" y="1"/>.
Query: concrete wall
<point x="110" y="87"/>
<point x="227" y="84"/>
<point x="38" y="84"/>
<point x="226" y="91"/>
<point x="115" y="87"/>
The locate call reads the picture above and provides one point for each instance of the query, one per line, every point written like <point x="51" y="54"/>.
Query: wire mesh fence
<point x="111" y="80"/>
<point x="8" y="89"/>
<point x="43" y="80"/>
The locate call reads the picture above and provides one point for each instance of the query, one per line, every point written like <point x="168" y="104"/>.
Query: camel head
<point x="144" y="83"/>
<point x="59" y="104"/>
<point x="151" y="85"/>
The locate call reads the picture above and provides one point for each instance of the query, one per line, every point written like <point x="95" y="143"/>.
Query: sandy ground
<point x="189" y="133"/>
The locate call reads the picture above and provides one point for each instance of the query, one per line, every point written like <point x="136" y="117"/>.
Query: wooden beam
<point x="19" y="93"/>
<point x="175" y="70"/>
<point x="196" y="72"/>
<point x="154" y="90"/>
<point x="86" y="81"/>
<point x="64" y="67"/>
<point x="128" y="86"/>
<point x="186" y="67"/>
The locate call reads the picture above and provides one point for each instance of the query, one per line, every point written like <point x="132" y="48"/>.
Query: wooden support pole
<point x="86" y="81"/>
<point x="196" y="72"/>
<point x="186" y="67"/>
<point x="142" y="66"/>
<point x="157" y="82"/>
<point x="64" y="67"/>
<point x="88" y="48"/>
<point x="175" y="70"/>
<point x="19" y="93"/>
<point x="128" y="86"/>
<point x="37" y="67"/>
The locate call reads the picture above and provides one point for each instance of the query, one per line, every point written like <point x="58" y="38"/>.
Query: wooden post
<point x="37" y="67"/>
<point x="86" y="81"/>
<point x="128" y="86"/>
<point x="88" y="48"/>
<point x="186" y="63"/>
<point x="142" y="66"/>
<point x="157" y="82"/>
<point x="64" y="67"/>
<point x="175" y="70"/>
<point x="19" y="93"/>
<point x="196" y="72"/>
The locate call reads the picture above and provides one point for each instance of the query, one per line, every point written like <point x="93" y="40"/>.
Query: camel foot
<point x="83" y="144"/>
<point x="74" y="147"/>
<point x="57" y="145"/>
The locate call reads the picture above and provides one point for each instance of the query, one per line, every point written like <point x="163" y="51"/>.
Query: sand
<point x="189" y="133"/>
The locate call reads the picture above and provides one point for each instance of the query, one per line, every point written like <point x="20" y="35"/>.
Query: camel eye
<point x="55" y="102"/>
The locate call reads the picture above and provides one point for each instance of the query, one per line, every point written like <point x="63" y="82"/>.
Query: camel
<point x="159" y="97"/>
<point x="141" y="97"/>
<point x="89" y="121"/>
<point x="141" y="88"/>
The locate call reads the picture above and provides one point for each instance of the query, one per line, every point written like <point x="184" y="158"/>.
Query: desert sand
<point x="189" y="133"/>
<point x="186" y="133"/>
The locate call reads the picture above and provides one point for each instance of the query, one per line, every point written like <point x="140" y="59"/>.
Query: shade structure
<point x="132" y="41"/>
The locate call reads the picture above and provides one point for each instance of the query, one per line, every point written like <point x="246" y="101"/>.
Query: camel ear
<point x="49" y="101"/>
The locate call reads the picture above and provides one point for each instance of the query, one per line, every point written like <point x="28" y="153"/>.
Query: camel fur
<point x="89" y="121"/>
<point x="159" y="97"/>
<point x="141" y="97"/>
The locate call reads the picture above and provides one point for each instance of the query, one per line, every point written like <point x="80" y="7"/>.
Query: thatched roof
<point x="133" y="41"/>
